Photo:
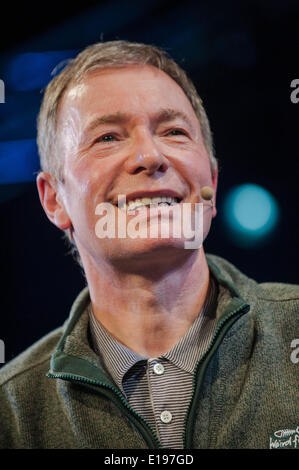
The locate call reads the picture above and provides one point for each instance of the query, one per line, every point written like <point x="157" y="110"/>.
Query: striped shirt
<point x="159" y="389"/>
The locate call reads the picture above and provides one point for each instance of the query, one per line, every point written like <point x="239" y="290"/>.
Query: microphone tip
<point x="207" y="193"/>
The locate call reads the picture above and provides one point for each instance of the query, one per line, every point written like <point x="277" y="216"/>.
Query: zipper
<point x="201" y="367"/>
<point x="141" y="424"/>
<point x="138" y="420"/>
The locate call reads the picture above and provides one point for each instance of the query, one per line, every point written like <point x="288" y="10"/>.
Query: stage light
<point x="251" y="214"/>
<point x="33" y="70"/>
<point x="18" y="161"/>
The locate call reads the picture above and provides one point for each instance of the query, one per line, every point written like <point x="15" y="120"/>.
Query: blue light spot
<point x="19" y="161"/>
<point x="251" y="213"/>
<point x="33" y="70"/>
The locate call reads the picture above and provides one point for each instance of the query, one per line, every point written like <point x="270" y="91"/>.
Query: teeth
<point x="156" y="200"/>
<point x="147" y="201"/>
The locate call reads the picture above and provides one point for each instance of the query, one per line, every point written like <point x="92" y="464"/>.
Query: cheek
<point x="194" y="166"/>
<point x="87" y="183"/>
<point x="78" y="195"/>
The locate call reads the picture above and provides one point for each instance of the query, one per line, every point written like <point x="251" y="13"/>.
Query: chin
<point x="159" y="253"/>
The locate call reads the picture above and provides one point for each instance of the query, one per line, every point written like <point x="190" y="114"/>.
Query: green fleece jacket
<point x="56" y="394"/>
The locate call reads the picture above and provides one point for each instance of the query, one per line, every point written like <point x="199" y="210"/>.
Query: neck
<point x="148" y="313"/>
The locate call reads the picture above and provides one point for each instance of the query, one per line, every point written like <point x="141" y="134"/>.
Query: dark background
<point x="242" y="57"/>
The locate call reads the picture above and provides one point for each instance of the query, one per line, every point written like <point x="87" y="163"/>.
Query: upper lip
<point x="150" y="194"/>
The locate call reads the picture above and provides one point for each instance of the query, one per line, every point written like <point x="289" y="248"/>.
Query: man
<point x="167" y="347"/>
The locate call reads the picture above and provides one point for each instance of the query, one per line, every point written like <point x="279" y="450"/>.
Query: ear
<point x="214" y="186"/>
<point x="51" y="200"/>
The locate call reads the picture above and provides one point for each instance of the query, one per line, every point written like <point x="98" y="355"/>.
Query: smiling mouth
<point x="147" y="199"/>
<point x="149" y="202"/>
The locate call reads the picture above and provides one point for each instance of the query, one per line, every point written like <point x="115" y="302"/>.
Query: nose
<point x="146" y="156"/>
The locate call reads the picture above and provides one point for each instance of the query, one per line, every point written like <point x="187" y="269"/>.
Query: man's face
<point x="124" y="131"/>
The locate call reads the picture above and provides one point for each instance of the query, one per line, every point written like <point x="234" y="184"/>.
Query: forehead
<point x="135" y="88"/>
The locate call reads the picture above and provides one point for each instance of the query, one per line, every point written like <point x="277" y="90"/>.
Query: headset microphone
<point x="207" y="194"/>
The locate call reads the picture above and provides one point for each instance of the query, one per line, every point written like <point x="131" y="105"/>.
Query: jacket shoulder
<point x="278" y="291"/>
<point x="249" y="288"/>
<point x="32" y="357"/>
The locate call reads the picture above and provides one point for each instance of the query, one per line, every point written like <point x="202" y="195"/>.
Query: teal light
<point x="251" y="213"/>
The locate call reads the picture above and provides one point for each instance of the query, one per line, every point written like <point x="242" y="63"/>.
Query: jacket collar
<point x="74" y="353"/>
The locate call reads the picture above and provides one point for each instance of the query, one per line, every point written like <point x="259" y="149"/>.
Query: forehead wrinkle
<point x="115" y="118"/>
<point x="163" y="115"/>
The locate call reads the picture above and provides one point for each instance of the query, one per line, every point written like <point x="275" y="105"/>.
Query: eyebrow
<point x="163" y="115"/>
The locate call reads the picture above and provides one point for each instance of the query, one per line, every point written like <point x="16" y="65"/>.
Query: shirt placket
<point x="163" y="412"/>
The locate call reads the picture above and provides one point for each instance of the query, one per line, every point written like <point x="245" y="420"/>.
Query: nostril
<point x="139" y="169"/>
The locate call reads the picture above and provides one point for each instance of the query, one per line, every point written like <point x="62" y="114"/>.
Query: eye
<point x="175" y="132"/>
<point x="106" y="138"/>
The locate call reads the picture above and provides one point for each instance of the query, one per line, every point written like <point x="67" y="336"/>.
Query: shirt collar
<point x="187" y="352"/>
<point x="118" y="359"/>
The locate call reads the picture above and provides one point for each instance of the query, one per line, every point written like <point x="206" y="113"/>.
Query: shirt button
<point x="166" y="416"/>
<point x="158" y="369"/>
